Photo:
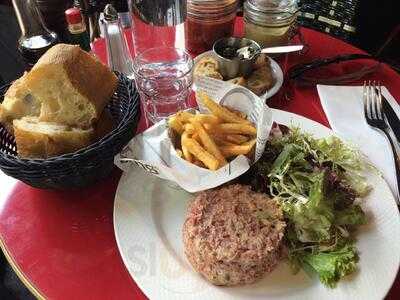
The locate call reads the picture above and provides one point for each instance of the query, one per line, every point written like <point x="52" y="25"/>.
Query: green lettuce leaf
<point x="353" y="215"/>
<point x="332" y="266"/>
<point x="357" y="182"/>
<point x="312" y="220"/>
<point x="343" y="159"/>
<point x="317" y="182"/>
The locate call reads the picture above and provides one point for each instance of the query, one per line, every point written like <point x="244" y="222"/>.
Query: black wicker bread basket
<point x="85" y="166"/>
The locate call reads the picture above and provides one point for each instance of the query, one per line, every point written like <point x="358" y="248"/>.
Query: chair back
<point x="335" y="17"/>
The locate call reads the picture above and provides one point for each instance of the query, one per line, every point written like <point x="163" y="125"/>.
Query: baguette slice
<point x="238" y="80"/>
<point x="67" y="86"/>
<point x="18" y="102"/>
<point x="260" y="81"/>
<point x="207" y="66"/>
<point x="37" y="139"/>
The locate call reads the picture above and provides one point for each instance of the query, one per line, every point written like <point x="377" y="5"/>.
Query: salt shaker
<point x="118" y="56"/>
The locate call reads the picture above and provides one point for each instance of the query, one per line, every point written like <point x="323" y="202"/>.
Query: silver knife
<point x="392" y="117"/>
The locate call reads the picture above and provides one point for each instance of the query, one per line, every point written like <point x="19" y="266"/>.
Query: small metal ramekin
<point x="231" y="68"/>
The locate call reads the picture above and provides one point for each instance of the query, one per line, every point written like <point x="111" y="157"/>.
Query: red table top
<point x="62" y="244"/>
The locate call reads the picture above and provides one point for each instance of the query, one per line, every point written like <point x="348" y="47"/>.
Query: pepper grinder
<point x="118" y="56"/>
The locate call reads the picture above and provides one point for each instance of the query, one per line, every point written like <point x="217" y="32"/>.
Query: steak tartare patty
<point x="232" y="235"/>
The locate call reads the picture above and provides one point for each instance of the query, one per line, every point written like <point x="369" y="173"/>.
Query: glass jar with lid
<point x="269" y="22"/>
<point x="208" y="21"/>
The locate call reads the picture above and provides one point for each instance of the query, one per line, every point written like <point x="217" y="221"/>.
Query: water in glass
<point x="164" y="84"/>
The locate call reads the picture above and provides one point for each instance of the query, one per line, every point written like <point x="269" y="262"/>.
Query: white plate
<point x="148" y="219"/>
<point x="277" y="74"/>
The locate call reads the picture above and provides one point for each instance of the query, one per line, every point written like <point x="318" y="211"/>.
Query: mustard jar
<point x="269" y="22"/>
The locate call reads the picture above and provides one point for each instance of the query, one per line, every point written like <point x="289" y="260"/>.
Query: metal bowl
<point x="234" y="67"/>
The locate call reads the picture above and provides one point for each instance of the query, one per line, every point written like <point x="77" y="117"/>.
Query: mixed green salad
<point x="318" y="183"/>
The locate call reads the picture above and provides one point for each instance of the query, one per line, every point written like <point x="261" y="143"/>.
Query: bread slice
<point x="67" y="86"/>
<point x="36" y="139"/>
<point x="262" y="61"/>
<point x="238" y="80"/>
<point x="207" y="66"/>
<point x="260" y="80"/>
<point x="18" y="102"/>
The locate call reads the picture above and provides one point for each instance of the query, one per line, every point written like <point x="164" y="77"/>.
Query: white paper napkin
<point x="343" y="106"/>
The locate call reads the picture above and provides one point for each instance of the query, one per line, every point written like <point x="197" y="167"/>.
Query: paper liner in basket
<point x="153" y="150"/>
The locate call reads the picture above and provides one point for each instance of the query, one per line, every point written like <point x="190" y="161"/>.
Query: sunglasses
<point x="335" y="70"/>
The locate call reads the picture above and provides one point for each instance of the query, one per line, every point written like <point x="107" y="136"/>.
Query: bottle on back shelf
<point x="35" y="38"/>
<point x="157" y="23"/>
<point x="77" y="28"/>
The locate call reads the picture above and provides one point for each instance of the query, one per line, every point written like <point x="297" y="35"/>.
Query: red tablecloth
<point x="62" y="244"/>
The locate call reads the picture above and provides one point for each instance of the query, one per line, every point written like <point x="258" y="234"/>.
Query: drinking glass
<point x="163" y="77"/>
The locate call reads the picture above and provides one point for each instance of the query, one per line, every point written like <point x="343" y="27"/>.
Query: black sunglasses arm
<point x="298" y="70"/>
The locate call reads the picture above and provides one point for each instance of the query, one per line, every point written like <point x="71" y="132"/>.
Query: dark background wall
<point x="11" y="64"/>
<point x="377" y="19"/>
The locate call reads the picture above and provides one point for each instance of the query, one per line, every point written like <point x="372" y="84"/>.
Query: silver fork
<point x="375" y="117"/>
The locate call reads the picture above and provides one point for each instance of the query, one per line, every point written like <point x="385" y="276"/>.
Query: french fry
<point x="228" y="128"/>
<point x="189" y="128"/>
<point x="186" y="154"/>
<point x="199" y="164"/>
<point x="196" y="137"/>
<point x="179" y="152"/>
<point x="229" y="151"/>
<point x="217" y="138"/>
<point x="211" y="119"/>
<point x="208" y="142"/>
<point x="184" y="116"/>
<point x="201" y="154"/>
<point x="222" y="142"/>
<point x="175" y="124"/>
<point x="250" y="143"/>
<point x="237" y="112"/>
<point x="236" y="138"/>
<point x="208" y="127"/>
<point x="220" y="111"/>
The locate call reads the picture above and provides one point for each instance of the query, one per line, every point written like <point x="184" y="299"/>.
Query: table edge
<point x="24" y="279"/>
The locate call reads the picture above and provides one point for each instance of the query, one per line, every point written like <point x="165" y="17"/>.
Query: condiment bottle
<point x="35" y="38"/>
<point x="77" y="28"/>
<point x="269" y="22"/>
<point x="53" y="13"/>
<point x="118" y="56"/>
<point x="208" y="21"/>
